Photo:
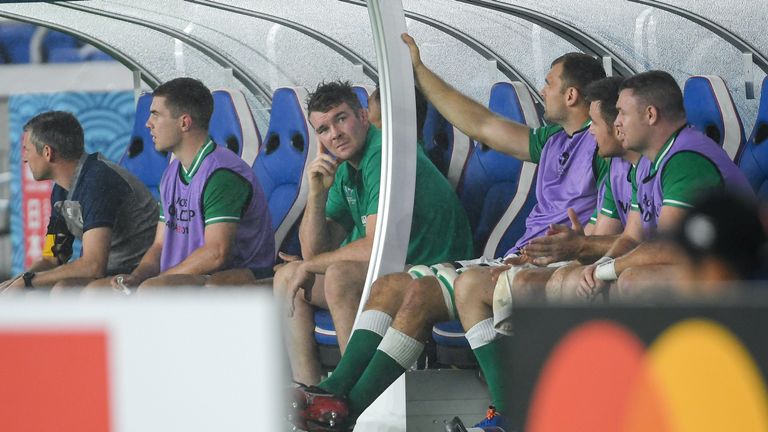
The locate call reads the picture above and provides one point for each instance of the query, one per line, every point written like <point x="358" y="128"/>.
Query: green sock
<point x="360" y="349"/>
<point x="397" y="352"/>
<point x="490" y="357"/>
<point x="380" y="373"/>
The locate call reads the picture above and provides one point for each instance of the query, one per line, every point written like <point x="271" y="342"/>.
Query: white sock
<point x="375" y="321"/>
<point x="403" y="349"/>
<point x="482" y="334"/>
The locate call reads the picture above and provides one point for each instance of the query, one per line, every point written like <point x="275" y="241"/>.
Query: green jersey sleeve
<point x="686" y="175"/>
<point x="538" y="137"/>
<point x="225" y="197"/>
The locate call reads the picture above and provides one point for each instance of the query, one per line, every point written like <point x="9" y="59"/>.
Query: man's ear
<point x="186" y="122"/>
<point x="362" y="114"/>
<point x="572" y="95"/>
<point x="48" y="153"/>
<point x="652" y="114"/>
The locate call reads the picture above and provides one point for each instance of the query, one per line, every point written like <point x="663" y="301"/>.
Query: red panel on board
<point x="54" y="381"/>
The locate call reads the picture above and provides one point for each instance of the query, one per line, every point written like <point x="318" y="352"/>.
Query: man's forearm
<point x="43" y="265"/>
<point x="358" y="250"/>
<point x="149" y="265"/>
<point x="80" y="268"/>
<point x="649" y="253"/>
<point x="314" y="233"/>
<point x="621" y="246"/>
<point x="595" y="247"/>
<point x="204" y="260"/>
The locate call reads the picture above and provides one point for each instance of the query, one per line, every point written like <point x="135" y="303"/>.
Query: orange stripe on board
<point x="54" y="381"/>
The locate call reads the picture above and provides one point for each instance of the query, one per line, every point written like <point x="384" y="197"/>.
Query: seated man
<point x="213" y="213"/>
<point x="339" y="223"/>
<point x="563" y="243"/>
<point x="679" y="164"/>
<point x="93" y="200"/>
<point x="400" y="313"/>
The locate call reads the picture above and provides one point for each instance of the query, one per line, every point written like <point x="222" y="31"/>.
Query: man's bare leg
<point x="645" y="282"/>
<point x="160" y="282"/>
<point x="300" y="326"/>
<point x="234" y="277"/>
<point x="473" y="290"/>
<point x="70" y="286"/>
<point x="530" y="284"/>
<point x="344" y="283"/>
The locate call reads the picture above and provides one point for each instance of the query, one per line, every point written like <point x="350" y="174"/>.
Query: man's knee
<point x="529" y="284"/>
<point x="387" y="292"/>
<point x="423" y="299"/>
<point x="469" y="283"/>
<point x="283" y="277"/>
<point x="341" y="284"/>
<point x="629" y="283"/>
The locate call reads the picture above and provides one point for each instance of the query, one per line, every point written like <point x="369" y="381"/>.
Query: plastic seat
<point x="447" y="147"/>
<point x="285" y="154"/>
<point x="498" y="192"/>
<point x="710" y="109"/>
<point x="754" y="159"/>
<point x="232" y="124"/>
<point x="141" y="158"/>
<point x="15" y="38"/>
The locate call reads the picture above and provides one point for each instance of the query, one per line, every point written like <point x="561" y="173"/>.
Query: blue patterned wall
<point x="107" y="120"/>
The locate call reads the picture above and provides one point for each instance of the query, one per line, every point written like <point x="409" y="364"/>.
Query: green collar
<point x="205" y="150"/>
<point x="581" y="129"/>
<point x="663" y="153"/>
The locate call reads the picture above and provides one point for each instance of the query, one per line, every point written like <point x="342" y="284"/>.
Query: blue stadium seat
<point x="363" y="91"/>
<point x="492" y="179"/>
<point x="283" y="157"/>
<point x="60" y="47"/>
<point x="15" y="38"/>
<point x="498" y="192"/>
<point x="710" y="109"/>
<point x="754" y="159"/>
<point x="64" y="55"/>
<point x="232" y="124"/>
<point x="447" y="147"/>
<point x="140" y="157"/>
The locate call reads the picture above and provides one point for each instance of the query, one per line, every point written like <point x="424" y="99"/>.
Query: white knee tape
<point x="502" y="301"/>
<point x="446" y="274"/>
<point x="420" y="271"/>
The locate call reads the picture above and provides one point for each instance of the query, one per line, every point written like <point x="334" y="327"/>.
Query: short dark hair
<point x="59" y="130"/>
<point x="657" y="88"/>
<point x="605" y="91"/>
<point x="579" y="70"/>
<point x="329" y="95"/>
<point x="188" y="96"/>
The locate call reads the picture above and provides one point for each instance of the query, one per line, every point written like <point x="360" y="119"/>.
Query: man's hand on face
<point x="322" y="170"/>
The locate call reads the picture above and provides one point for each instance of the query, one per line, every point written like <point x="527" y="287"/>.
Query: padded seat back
<point x="710" y="109"/>
<point x="754" y="159"/>
<point x="140" y="158"/>
<point x="447" y="147"/>
<point x="288" y="149"/>
<point x="232" y="124"/>
<point x="497" y="190"/>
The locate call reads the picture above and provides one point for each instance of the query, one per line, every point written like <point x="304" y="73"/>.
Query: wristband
<point x="606" y="271"/>
<point x="28" y="276"/>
